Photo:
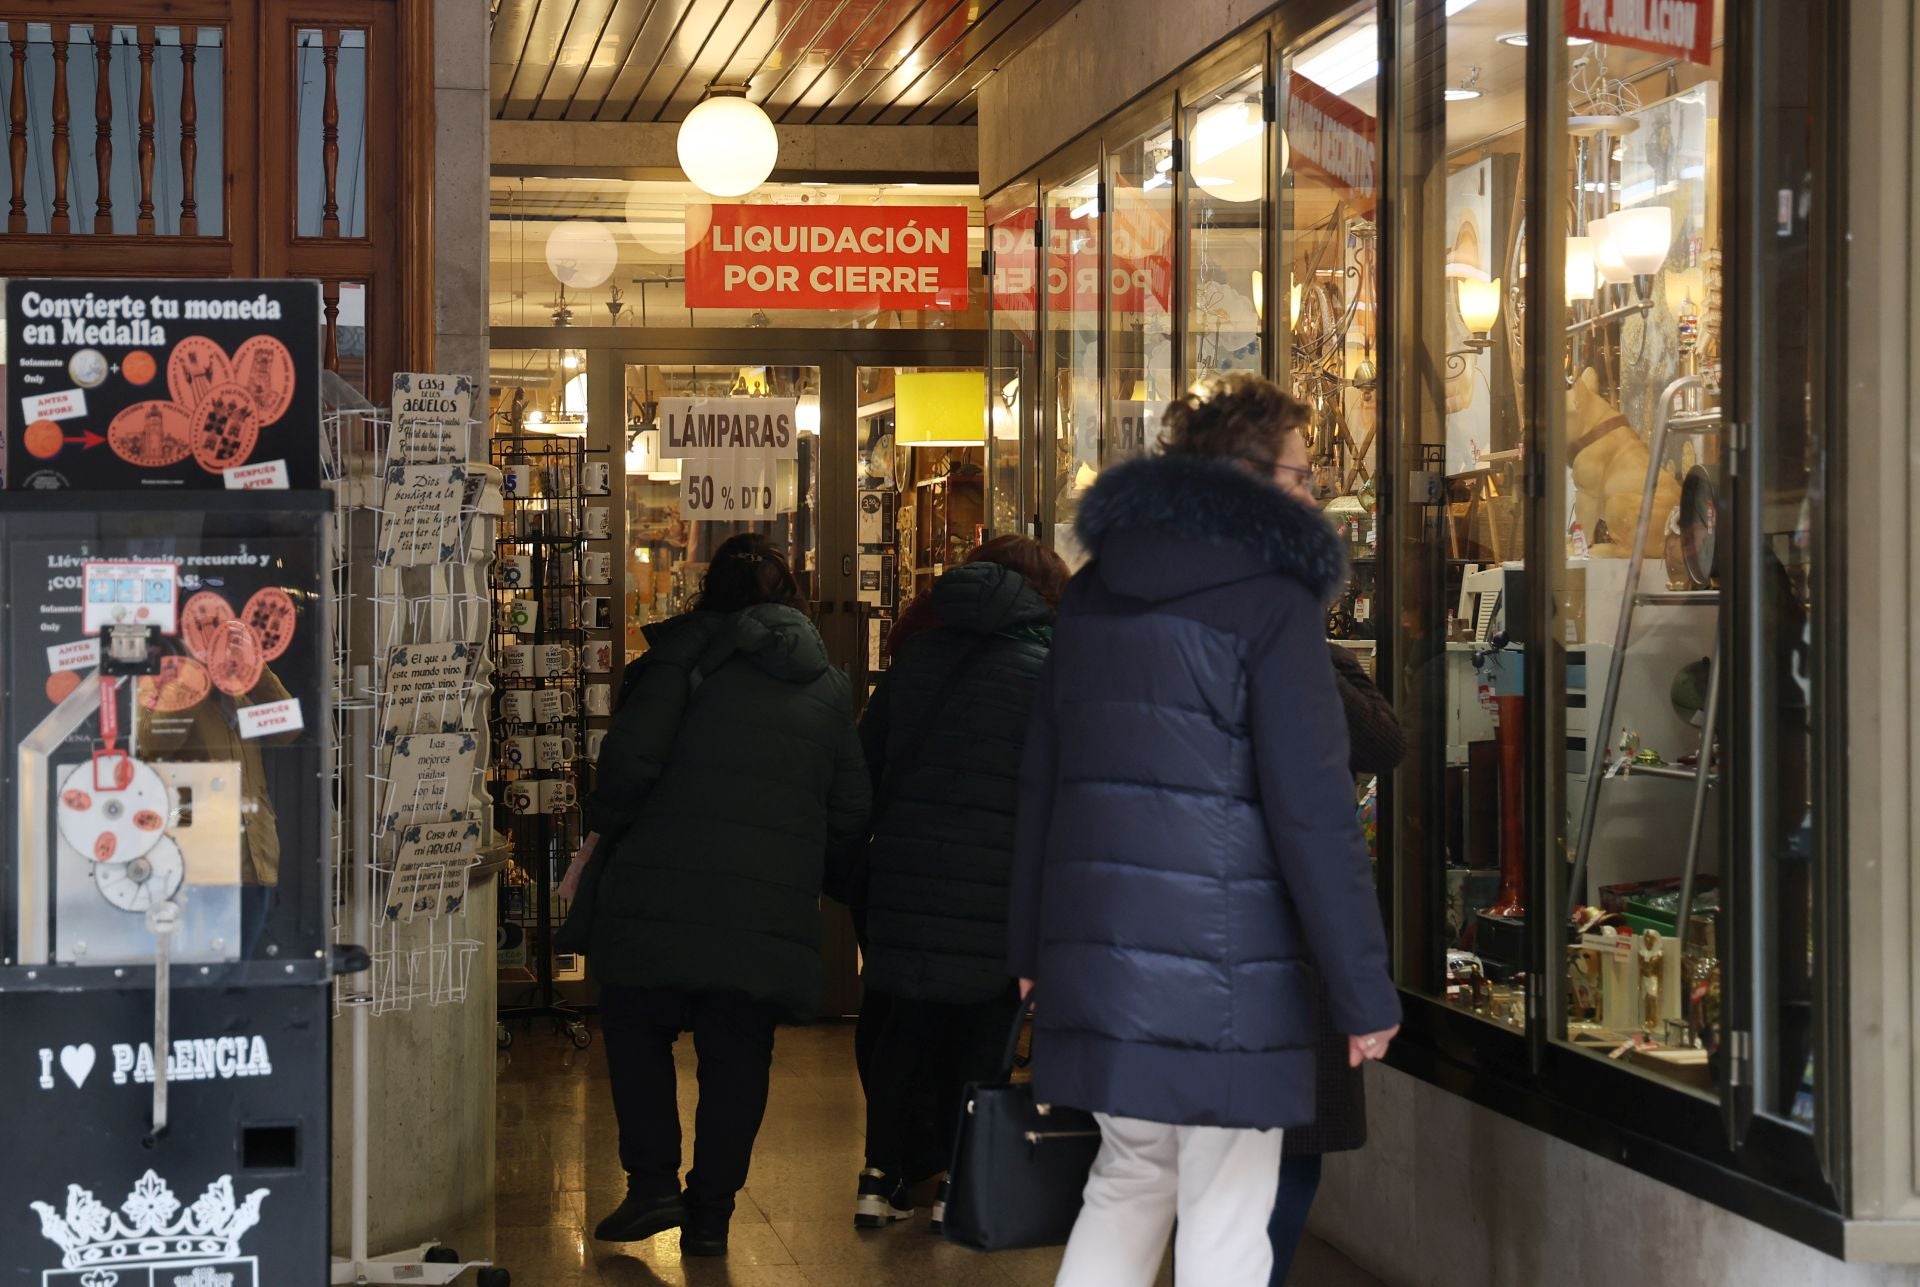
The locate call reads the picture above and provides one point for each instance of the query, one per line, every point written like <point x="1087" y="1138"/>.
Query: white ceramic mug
<point x="598" y="567"/>
<point x="515" y="571"/>
<point x="516" y="706"/>
<point x="556" y="795"/>
<point x="519" y="616"/>
<point x="523" y="796"/>
<point x="519" y="752"/>
<point x="551" y="705"/>
<point x="550" y="660"/>
<point x="595" y="736"/>
<point x="517" y="660"/>
<point x="596" y="656"/>
<point x="599" y="522"/>
<point x="596" y="612"/>
<point x="516" y="481"/>
<point x="599" y="699"/>
<point x="552" y="751"/>
<point x="596" y="478"/>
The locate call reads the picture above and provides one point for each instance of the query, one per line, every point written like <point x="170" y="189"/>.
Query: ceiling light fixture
<point x="1518" y="39"/>
<point x="1349" y="62"/>
<point x="1465" y="90"/>
<point x="727" y="145"/>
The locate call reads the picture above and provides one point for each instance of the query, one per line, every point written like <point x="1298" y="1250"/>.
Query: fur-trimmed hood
<point x="1163" y="526"/>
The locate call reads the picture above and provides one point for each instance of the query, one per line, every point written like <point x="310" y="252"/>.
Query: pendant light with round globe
<point x="581" y="253"/>
<point x="1228" y="160"/>
<point x="727" y="145"/>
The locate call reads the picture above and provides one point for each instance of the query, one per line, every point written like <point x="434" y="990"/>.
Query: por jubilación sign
<point x="733" y="448"/>
<point x="822" y="257"/>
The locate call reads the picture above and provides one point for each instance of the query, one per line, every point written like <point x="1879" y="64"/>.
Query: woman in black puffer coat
<point x="943" y="737"/>
<point x="1189" y="862"/>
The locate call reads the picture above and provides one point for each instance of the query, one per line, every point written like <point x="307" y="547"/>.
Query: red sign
<point x="1334" y="139"/>
<point x="1682" y="28"/>
<point x="822" y="257"/>
<point x="1142" y="259"/>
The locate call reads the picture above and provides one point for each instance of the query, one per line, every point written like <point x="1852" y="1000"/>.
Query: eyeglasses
<point x="1304" y="473"/>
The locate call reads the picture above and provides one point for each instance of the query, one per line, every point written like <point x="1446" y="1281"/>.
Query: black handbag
<point x="1019" y="1168"/>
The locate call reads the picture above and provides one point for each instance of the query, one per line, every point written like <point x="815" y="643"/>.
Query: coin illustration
<point x="226" y="425"/>
<point x="233" y="658"/>
<point x="204" y="613"/>
<point x="139" y="367"/>
<point x="60" y="685"/>
<point x="181" y="685"/>
<point x="152" y="435"/>
<point x="270" y="615"/>
<point x="196" y="368"/>
<point x="88" y="368"/>
<point x="265" y="367"/>
<point x="43" y="439"/>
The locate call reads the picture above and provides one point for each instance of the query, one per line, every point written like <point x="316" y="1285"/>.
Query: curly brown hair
<point x="1240" y="417"/>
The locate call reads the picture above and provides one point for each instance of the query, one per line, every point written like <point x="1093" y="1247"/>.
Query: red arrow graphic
<point x="87" y="439"/>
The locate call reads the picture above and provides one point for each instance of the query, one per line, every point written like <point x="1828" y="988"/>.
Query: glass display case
<point x="1584" y="495"/>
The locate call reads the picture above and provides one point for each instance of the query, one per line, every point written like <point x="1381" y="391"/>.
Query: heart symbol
<point x="77" y="1062"/>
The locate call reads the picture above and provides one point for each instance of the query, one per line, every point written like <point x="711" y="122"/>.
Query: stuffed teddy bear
<point x="1610" y="474"/>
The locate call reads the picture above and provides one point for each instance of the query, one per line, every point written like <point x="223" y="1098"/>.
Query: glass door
<point x="921" y="459"/>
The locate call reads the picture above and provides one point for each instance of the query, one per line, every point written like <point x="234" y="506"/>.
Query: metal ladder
<point x="1665" y="425"/>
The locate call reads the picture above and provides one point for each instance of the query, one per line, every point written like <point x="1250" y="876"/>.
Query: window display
<point x="1226" y="187"/>
<point x="1072" y="218"/>
<point x="1140" y="293"/>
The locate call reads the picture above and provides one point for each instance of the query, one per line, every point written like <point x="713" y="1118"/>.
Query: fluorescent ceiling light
<point x="1459" y="94"/>
<point x="1518" y="39"/>
<point x="1456" y="6"/>
<point x="1352" y="60"/>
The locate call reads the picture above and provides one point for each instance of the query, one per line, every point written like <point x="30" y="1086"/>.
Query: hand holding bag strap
<point x="1011" y="1056"/>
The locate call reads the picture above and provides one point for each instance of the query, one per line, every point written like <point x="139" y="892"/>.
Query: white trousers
<point x="1219" y="1183"/>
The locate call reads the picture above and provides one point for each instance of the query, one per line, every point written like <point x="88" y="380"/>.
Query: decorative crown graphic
<point x="150" y="1228"/>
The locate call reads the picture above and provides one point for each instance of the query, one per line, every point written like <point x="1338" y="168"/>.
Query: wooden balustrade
<point x="168" y="76"/>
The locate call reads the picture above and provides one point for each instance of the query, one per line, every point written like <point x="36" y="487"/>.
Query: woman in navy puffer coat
<point x="1188" y="856"/>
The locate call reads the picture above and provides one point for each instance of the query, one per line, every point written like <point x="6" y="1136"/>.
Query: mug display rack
<point x="542" y="607"/>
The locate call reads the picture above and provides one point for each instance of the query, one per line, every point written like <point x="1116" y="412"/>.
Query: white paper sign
<point x="429" y="778"/>
<point x="729" y="488"/>
<point x="420" y="515"/>
<point x="267" y="476"/>
<point x="694" y="428"/>
<point x="82" y="654"/>
<point x="430" y="415"/>
<point x="269" y="719"/>
<point x="69" y="404"/>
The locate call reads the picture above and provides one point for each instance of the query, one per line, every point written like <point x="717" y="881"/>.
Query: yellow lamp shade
<point x="940" y="409"/>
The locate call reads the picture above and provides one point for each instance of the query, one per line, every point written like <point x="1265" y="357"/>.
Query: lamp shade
<point x="1583" y="274"/>
<point x="1227" y="161"/>
<point x="1644" y="235"/>
<point x="581" y="253"/>
<point x="1479" y="303"/>
<point x="727" y="146"/>
<point x="940" y="409"/>
<point x="1606" y="251"/>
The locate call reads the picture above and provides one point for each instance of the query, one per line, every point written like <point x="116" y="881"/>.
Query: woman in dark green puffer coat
<point x="944" y="735"/>
<point x="730" y="781"/>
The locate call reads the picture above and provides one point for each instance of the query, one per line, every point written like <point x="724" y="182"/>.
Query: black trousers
<point x="733" y="1038"/>
<point x="924" y="1054"/>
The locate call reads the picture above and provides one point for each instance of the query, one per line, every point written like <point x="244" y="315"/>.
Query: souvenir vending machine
<point x="164" y="882"/>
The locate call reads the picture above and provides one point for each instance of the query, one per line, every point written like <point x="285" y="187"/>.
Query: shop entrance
<point x="886" y="489"/>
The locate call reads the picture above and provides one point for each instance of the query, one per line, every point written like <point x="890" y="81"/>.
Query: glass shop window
<point x="1013" y="368"/>
<point x="1071" y="460"/>
<point x="1328" y="288"/>
<point x="1462" y="851"/>
<point x="1140" y="292"/>
<point x="1226" y="172"/>
<point x="1641" y="581"/>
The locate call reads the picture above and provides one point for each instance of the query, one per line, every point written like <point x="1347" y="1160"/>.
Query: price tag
<point x="728" y="488"/>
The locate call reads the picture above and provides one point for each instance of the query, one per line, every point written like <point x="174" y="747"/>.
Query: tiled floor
<point x="558" y="1175"/>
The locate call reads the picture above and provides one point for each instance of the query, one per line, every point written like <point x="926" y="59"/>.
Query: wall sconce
<point x="1583" y="274"/>
<point x="1479" y="304"/>
<point x="1644" y="235"/>
<point x="1606" y="253"/>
